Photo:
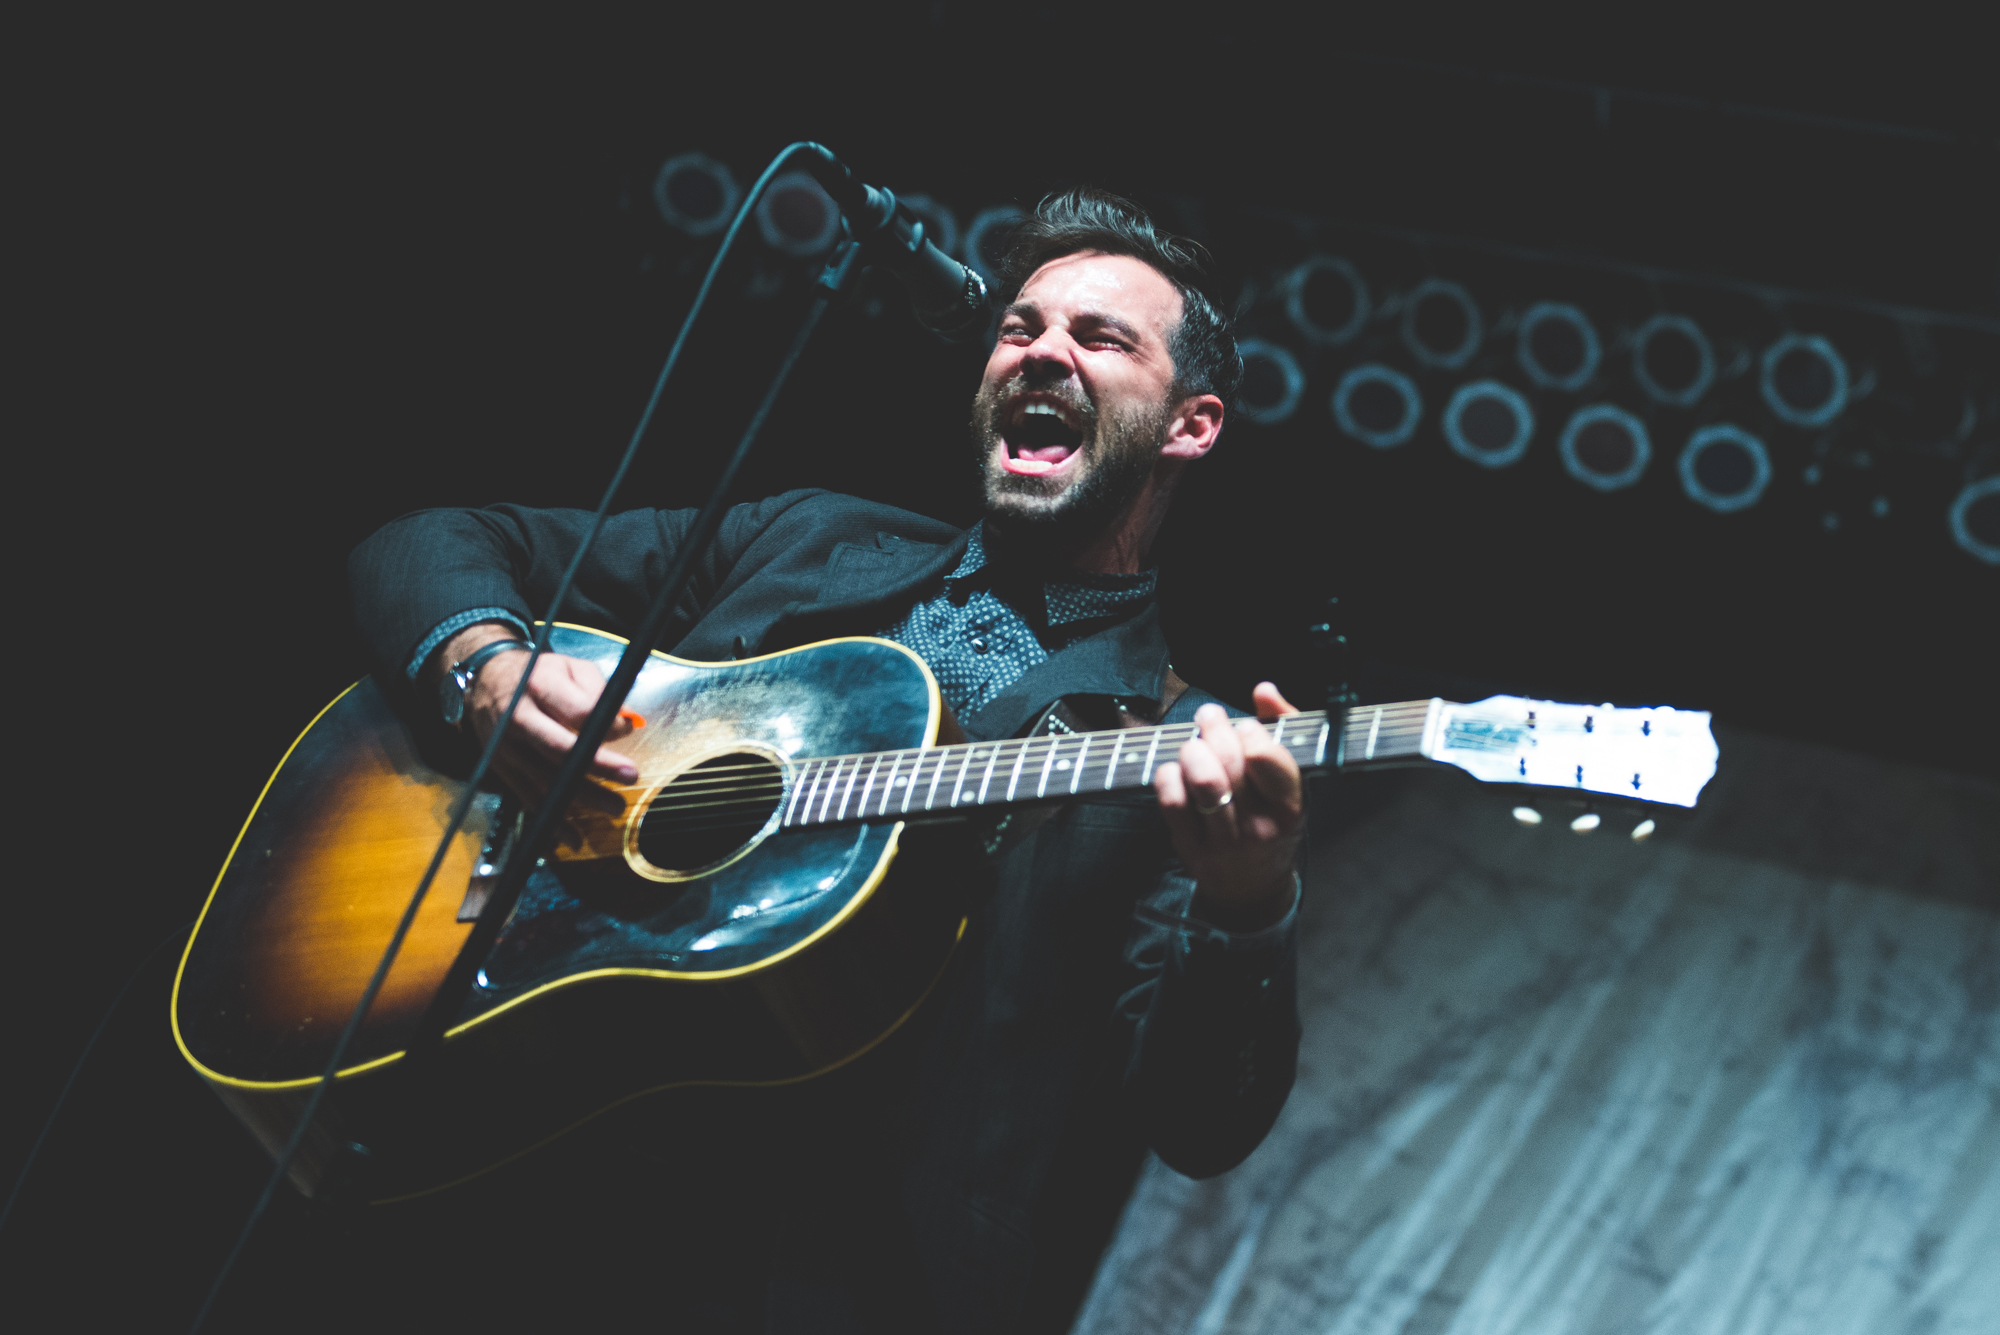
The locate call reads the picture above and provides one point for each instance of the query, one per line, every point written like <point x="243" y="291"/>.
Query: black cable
<point x="21" y="1179"/>
<point x="463" y="806"/>
<point x="540" y="833"/>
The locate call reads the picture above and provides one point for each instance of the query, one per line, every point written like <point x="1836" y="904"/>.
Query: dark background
<point x="289" y="282"/>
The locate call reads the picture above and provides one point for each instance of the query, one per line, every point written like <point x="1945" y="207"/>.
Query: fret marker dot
<point x="1062" y="764"/>
<point x="900" y="782"/>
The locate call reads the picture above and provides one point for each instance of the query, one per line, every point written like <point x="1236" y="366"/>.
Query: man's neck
<point x="1118" y="548"/>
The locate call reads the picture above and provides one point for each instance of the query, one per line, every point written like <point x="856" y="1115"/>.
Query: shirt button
<point x="978" y="645"/>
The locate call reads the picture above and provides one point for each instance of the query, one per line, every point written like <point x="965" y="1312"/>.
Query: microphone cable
<point x="282" y="1165"/>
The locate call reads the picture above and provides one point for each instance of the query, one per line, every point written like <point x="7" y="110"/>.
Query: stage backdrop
<point x="1743" y="1076"/>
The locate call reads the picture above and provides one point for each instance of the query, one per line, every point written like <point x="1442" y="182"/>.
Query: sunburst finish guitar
<point x="777" y="893"/>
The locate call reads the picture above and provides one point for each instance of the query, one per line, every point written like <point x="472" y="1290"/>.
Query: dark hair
<point x="1202" y="345"/>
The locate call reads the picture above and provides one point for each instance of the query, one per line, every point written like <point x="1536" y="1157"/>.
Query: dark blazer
<point x="1071" y="1031"/>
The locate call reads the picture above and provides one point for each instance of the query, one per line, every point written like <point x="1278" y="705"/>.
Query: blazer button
<point x="978" y="645"/>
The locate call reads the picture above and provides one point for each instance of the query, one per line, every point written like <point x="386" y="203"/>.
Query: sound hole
<point x="708" y="813"/>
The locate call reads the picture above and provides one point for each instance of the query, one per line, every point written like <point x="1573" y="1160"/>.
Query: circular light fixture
<point x="1272" y="382"/>
<point x="1377" y="405"/>
<point x="1587" y="822"/>
<point x="986" y="239"/>
<point x="1975" y="519"/>
<point x="1605" y="447"/>
<point x="695" y="194"/>
<point x="1327" y="300"/>
<point x="1803" y="380"/>
<point x="796" y="217"/>
<point x="940" y="223"/>
<point x="1724" y="468"/>
<point x="1557" y="346"/>
<point x="1441" y="325"/>
<point x="1672" y="360"/>
<point x="1644" y="830"/>
<point x="1527" y="816"/>
<point x="1489" y="423"/>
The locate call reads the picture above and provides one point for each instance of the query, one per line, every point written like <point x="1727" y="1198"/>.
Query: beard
<point x="1115" y="455"/>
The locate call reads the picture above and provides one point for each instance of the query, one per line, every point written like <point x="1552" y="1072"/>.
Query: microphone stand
<point x="421" y="1060"/>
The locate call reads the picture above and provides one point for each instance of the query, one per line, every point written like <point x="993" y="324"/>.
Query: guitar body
<point x="664" y="945"/>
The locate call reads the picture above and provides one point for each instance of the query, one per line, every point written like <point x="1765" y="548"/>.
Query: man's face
<point x="1069" y="418"/>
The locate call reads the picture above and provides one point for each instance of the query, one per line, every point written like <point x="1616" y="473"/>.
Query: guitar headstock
<point x="1647" y="755"/>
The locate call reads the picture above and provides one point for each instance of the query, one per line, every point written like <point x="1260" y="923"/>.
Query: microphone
<point x="948" y="297"/>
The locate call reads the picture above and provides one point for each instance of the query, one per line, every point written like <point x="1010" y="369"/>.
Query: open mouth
<point x="1041" y="433"/>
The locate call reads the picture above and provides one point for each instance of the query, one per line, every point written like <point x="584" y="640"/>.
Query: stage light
<point x="1557" y="346"/>
<point x="986" y="239"/>
<point x="1489" y="423"/>
<point x="940" y="223"/>
<point x="796" y="217"/>
<point x="1327" y="300"/>
<point x="1605" y="447"/>
<point x="696" y="194"/>
<point x="1724" y="468"/>
<point x="1272" y="382"/>
<point x="1377" y="405"/>
<point x="1975" y="519"/>
<point x="1441" y="325"/>
<point x="1804" y="380"/>
<point x="1672" y="360"/>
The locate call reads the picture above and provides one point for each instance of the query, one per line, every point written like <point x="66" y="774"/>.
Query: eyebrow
<point x="1028" y="309"/>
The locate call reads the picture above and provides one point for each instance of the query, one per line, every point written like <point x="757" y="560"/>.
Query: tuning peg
<point x="1527" y="815"/>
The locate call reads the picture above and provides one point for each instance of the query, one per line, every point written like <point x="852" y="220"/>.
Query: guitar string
<point x="720" y="781"/>
<point x="757" y="798"/>
<point x="725" y="779"/>
<point x="1038" y="747"/>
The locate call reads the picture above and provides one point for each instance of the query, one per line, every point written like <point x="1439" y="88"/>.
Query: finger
<point x="1280" y="790"/>
<point x="551" y="742"/>
<point x="1182" y="823"/>
<point x="566" y="689"/>
<point x="614" y="765"/>
<point x="1209" y="789"/>
<point x="568" y="694"/>
<point x="1270" y="705"/>
<point x="1220" y="736"/>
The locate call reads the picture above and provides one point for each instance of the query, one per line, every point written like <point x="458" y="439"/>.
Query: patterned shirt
<point x="985" y="629"/>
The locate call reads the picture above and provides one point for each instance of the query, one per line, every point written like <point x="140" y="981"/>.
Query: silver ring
<point x="1227" y="798"/>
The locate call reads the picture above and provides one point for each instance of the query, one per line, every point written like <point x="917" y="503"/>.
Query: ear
<point x="1192" y="429"/>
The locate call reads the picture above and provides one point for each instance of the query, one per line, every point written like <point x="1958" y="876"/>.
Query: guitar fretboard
<point x="889" y="784"/>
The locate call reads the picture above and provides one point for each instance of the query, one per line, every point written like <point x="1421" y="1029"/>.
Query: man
<point x="1111" y="994"/>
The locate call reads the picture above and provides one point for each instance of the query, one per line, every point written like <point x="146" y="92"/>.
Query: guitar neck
<point x="890" y="784"/>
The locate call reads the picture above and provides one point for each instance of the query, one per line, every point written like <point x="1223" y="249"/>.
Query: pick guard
<point x="587" y="914"/>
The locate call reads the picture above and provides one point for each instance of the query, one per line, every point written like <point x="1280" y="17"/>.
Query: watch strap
<point x="459" y="676"/>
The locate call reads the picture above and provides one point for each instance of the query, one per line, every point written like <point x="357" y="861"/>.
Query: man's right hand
<point x="559" y="698"/>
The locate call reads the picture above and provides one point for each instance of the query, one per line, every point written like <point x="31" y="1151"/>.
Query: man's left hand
<point x="1235" y="806"/>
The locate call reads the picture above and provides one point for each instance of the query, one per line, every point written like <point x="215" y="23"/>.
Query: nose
<point x="1052" y="356"/>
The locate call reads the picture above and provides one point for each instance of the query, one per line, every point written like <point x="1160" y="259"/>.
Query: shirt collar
<point x="1077" y="597"/>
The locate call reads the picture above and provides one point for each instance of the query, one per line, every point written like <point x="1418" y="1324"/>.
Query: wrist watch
<point x="458" y="677"/>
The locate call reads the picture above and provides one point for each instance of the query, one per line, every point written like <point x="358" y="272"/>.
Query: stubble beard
<point x="1118" y="451"/>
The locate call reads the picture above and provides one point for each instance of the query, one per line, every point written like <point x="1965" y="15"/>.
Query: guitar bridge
<point x="503" y="826"/>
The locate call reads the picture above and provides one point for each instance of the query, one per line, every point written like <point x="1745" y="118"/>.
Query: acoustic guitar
<point x="776" y="894"/>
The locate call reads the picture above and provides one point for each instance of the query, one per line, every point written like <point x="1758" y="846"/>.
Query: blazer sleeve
<point x="1214" y="1026"/>
<point x="420" y="570"/>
